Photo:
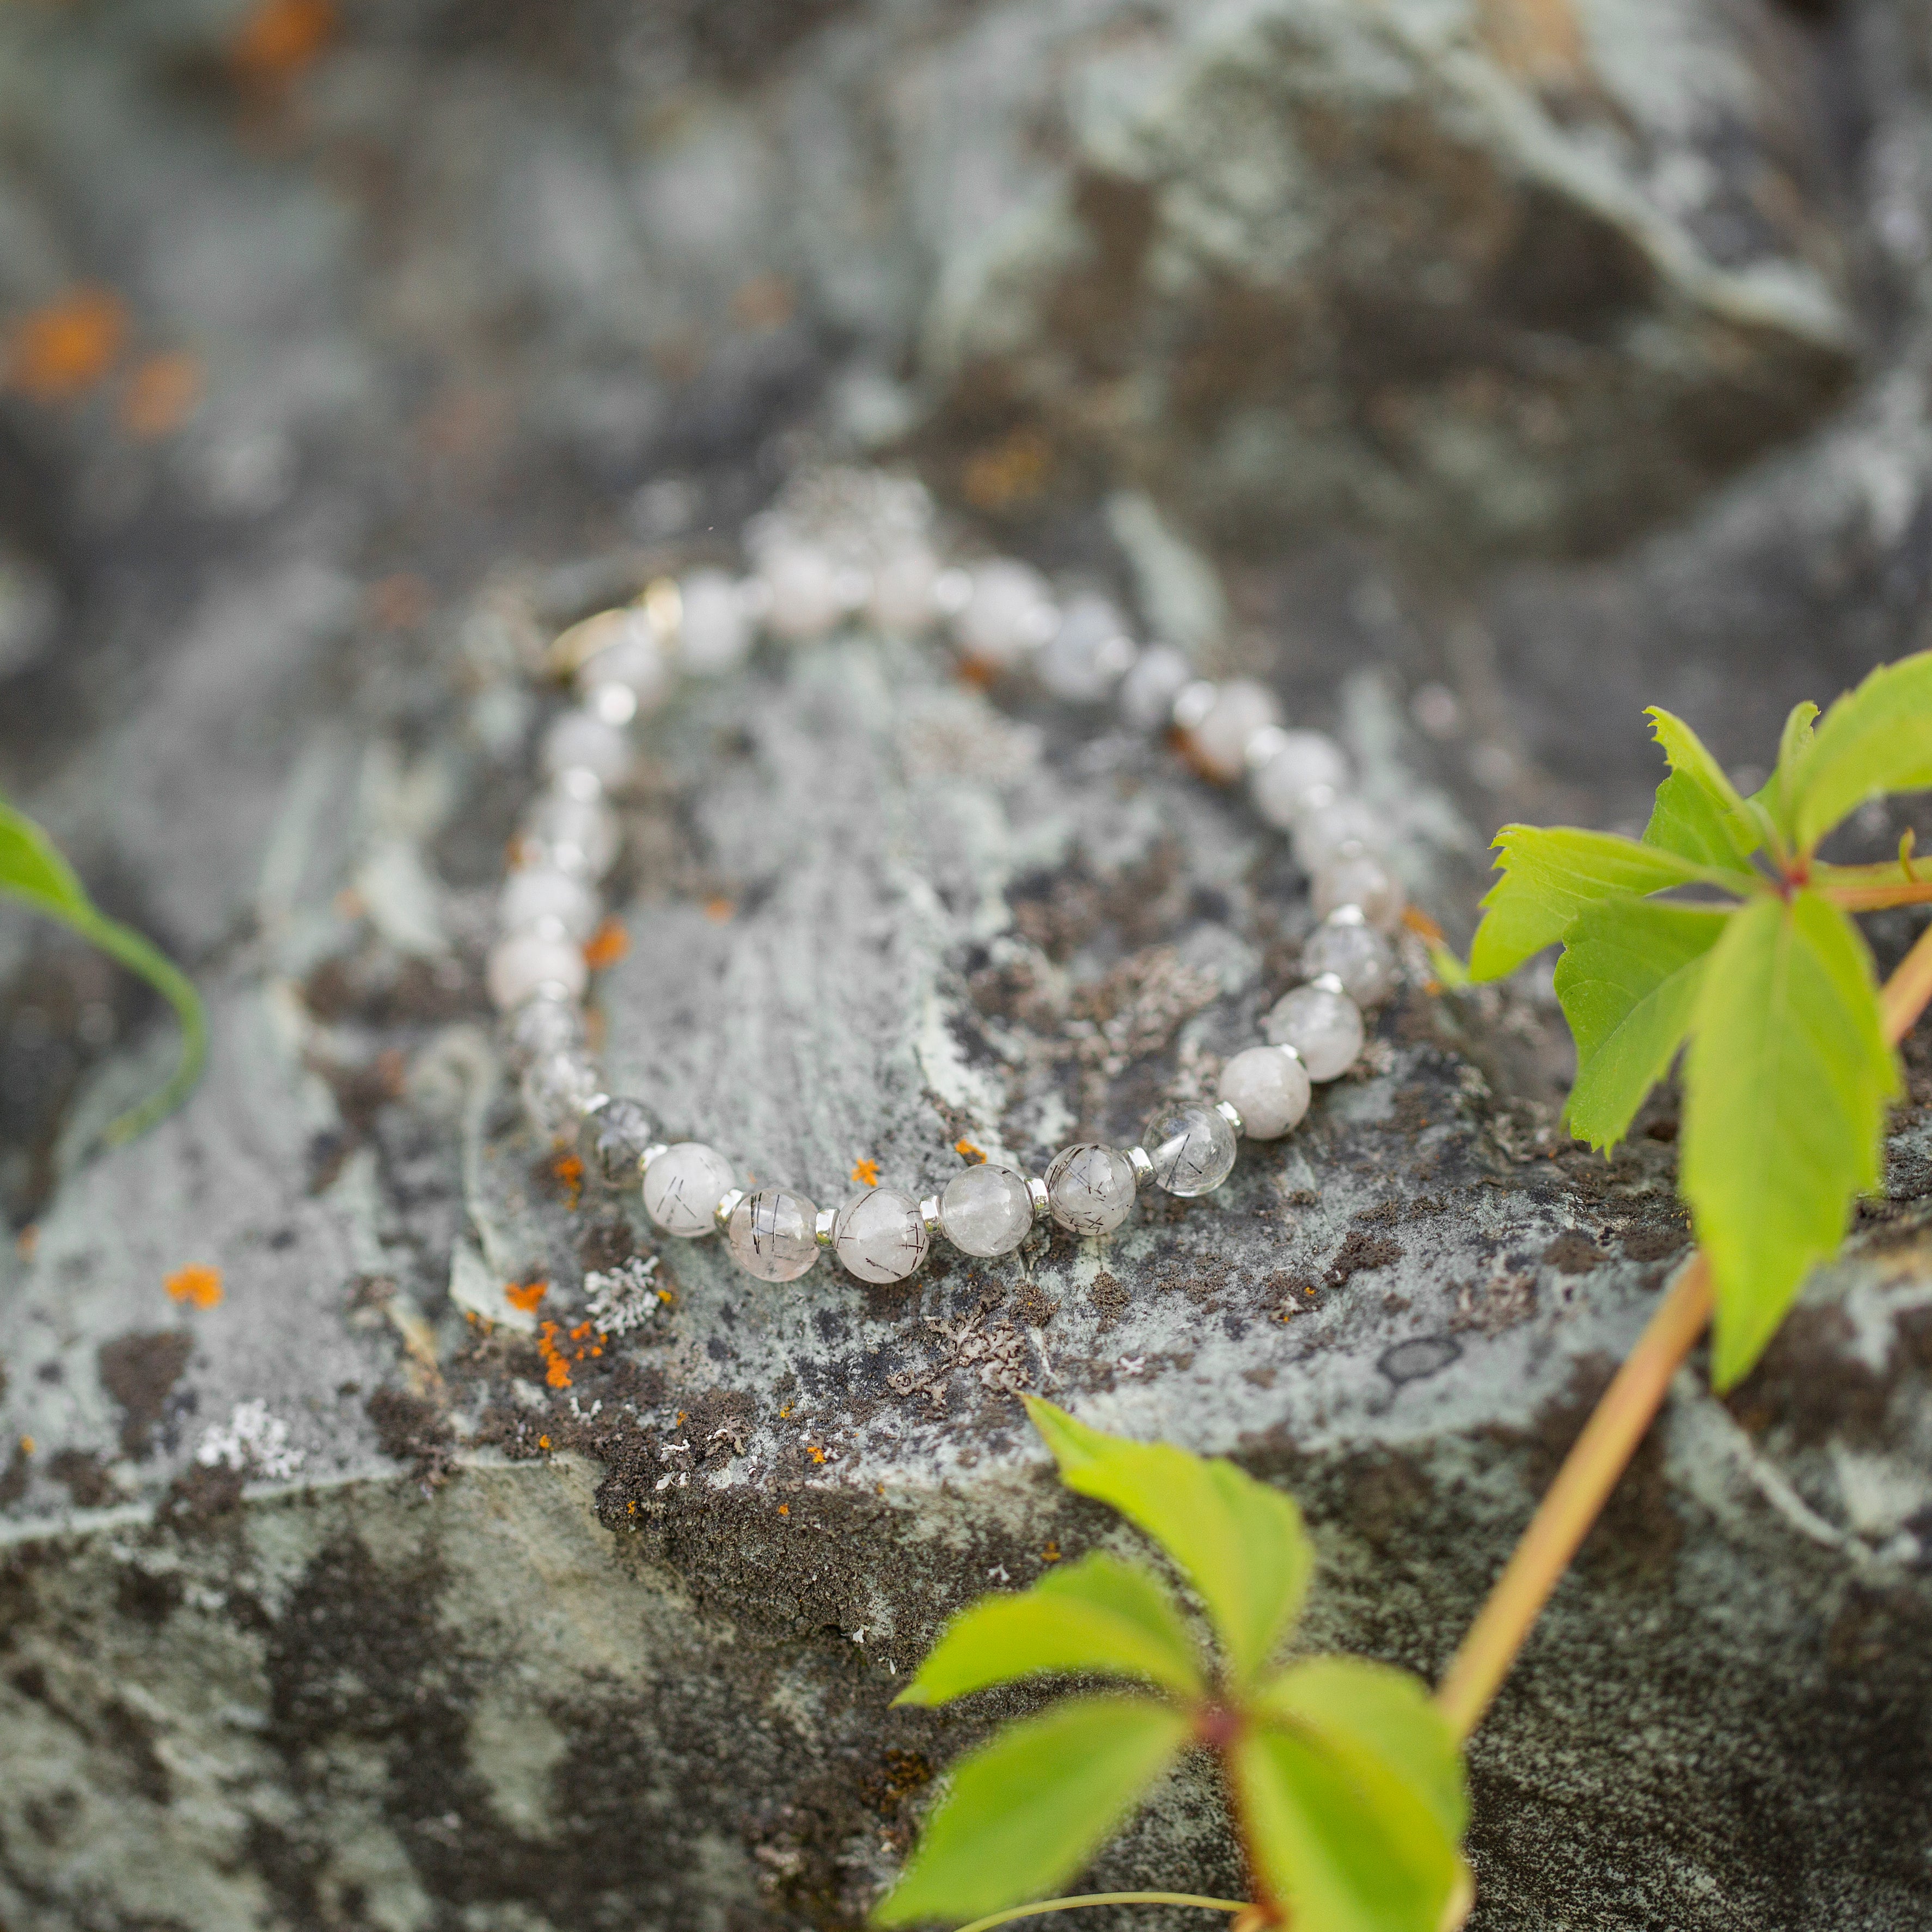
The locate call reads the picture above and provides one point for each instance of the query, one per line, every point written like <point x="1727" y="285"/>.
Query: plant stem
<point x="1877" y="898"/>
<point x="1018" y="1912"/>
<point x="1590" y="1471"/>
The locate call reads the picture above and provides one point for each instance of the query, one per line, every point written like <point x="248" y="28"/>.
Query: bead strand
<point x="1001" y="618"/>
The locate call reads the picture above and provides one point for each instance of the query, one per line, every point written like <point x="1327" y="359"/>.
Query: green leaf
<point x="1240" y="1543"/>
<point x="33" y="870"/>
<point x="1338" y="1834"/>
<point x="1628" y="982"/>
<point x="1876" y="740"/>
<point x="1552" y="873"/>
<point x="1786" y="1084"/>
<point x="1028" y="1810"/>
<point x="1698" y="813"/>
<point x="1100" y="1615"/>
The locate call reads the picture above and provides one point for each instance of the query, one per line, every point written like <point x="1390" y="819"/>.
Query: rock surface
<point x="324" y="1605"/>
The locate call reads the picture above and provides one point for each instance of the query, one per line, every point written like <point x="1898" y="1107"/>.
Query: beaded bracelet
<point x="844" y="545"/>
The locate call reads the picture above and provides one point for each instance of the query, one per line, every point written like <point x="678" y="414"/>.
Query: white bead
<point x="1219" y="743"/>
<point x="808" y="599"/>
<point x="1325" y="1028"/>
<point x="555" y="1089"/>
<point x="520" y="964"/>
<point x="581" y="741"/>
<point x="1090" y="1188"/>
<point x="1360" y="879"/>
<point x="533" y="893"/>
<point x="880" y="1237"/>
<point x="1327" y="827"/>
<point x="1086" y="656"/>
<point x="542" y="1025"/>
<point x="1357" y="955"/>
<point x="771" y="1234"/>
<point x="1159" y="674"/>
<point x="986" y="1211"/>
<point x="1010" y="614"/>
<point x="714" y="633"/>
<point x="574" y="834"/>
<point x="903" y="588"/>
<point x="1299" y="762"/>
<point x="1268" y="1088"/>
<point x="682" y="1187"/>
<point x="1191" y="1148"/>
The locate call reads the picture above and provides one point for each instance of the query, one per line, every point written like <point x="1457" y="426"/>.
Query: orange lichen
<point x="543" y="1441"/>
<point x="278" y="38"/>
<point x="817" y="1454"/>
<point x="866" y="1173"/>
<point x="968" y="1151"/>
<point x="1009" y="472"/>
<point x="62" y="350"/>
<point x="1050" y="1554"/>
<point x="606" y="946"/>
<point x="784" y="1509"/>
<point x="718" y="910"/>
<point x="525" y="1294"/>
<point x="1419" y="922"/>
<point x="569" y="1172"/>
<point x="556" y="1370"/>
<point x="161" y="395"/>
<point x="199" y="1287"/>
<point x="782" y="1413"/>
<point x="27" y="1445"/>
<point x="27" y="1240"/>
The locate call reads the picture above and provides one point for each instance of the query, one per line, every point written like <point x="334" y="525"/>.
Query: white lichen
<point x="624" y="1298"/>
<point x="251" y="1440"/>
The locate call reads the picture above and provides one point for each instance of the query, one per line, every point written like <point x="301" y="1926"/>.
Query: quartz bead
<point x="1325" y="1028"/>
<point x="1159" y="675"/>
<point x="582" y="741"/>
<point x="555" y="1089"/>
<point x="1328" y="827"/>
<point x="1090" y="1188"/>
<point x="1360" y="879"/>
<point x="576" y="834"/>
<point x="1299" y="762"/>
<point x="525" y="961"/>
<point x="533" y="893"/>
<point x="1269" y="1088"/>
<point x="880" y="1236"/>
<point x="1357" y="955"/>
<point x="1218" y="744"/>
<point x="986" y="1211"/>
<point x="771" y="1234"/>
<point x="540" y="1026"/>
<point x="683" y="1186"/>
<point x="1010" y="612"/>
<point x="1085" y="657"/>
<point x="612" y="1140"/>
<point x="1191" y="1148"/>
<point x="807" y="599"/>
<point x="714" y="633"/>
<point x="902" y="592"/>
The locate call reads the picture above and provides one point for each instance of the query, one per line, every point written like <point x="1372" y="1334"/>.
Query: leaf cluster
<point x="1720" y="935"/>
<point x="1346" y="1783"/>
<point x="33" y="870"/>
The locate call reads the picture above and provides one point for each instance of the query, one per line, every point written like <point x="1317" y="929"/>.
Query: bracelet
<point x="841" y="545"/>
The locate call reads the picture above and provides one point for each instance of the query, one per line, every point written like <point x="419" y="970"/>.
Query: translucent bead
<point x="986" y="1211"/>
<point x="683" y="1186"/>
<point x="807" y="598"/>
<point x="1010" y="612"/>
<point x="1299" y="762"/>
<point x="612" y="1139"/>
<point x="533" y="893"/>
<point x="555" y="1089"/>
<point x="1360" y="879"/>
<point x="902" y="592"/>
<point x="714" y="632"/>
<point x="540" y="1026"/>
<point x="1191" y="1148"/>
<point x="574" y="833"/>
<point x="1090" y="1188"/>
<point x="771" y="1234"/>
<point x="1159" y="675"/>
<point x="1085" y="657"/>
<point x="1268" y="1088"/>
<point x="1329" y="826"/>
<point x="1219" y="743"/>
<point x="581" y="741"/>
<point x="519" y="965"/>
<point x="636" y="662"/>
<point x="880" y="1236"/>
<point x="1325" y="1028"/>
<point x="1356" y="954"/>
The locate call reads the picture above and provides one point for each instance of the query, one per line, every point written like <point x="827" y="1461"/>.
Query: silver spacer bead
<point x="1285" y="1048"/>
<point x="1328" y="983"/>
<point x="1194" y="703"/>
<point x="1143" y="1168"/>
<point x="650" y="1153"/>
<point x="1229" y="1112"/>
<point x="727" y="1206"/>
<point x="822" y="1229"/>
<point x="1036" y="1193"/>
<point x="1347" y="915"/>
<point x="595" y="1104"/>
<point x="928" y="1213"/>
